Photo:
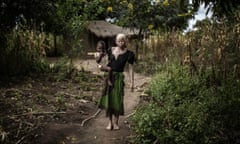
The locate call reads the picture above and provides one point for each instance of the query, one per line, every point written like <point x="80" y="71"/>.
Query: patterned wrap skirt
<point x="112" y="98"/>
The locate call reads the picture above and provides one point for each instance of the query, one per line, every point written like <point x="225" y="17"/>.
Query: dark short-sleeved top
<point x="117" y="65"/>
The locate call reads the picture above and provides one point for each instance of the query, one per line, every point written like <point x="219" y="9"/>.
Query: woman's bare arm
<point x="131" y="73"/>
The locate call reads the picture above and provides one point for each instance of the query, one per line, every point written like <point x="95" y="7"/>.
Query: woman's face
<point x="120" y="43"/>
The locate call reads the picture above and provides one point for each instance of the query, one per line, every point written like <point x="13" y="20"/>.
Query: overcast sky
<point x="200" y="15"/>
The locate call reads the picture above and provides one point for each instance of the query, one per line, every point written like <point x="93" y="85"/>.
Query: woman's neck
<point x="118" y="51"/>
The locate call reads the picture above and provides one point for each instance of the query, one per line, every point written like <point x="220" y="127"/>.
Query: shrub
<point x="22" y="53"/>
<point x="186" y="110"/>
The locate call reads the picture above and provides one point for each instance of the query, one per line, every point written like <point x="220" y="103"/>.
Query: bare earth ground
<point x="94" y="132"/>
<point x="51" y="110"/>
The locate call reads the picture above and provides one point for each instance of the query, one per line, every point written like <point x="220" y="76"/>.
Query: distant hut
<point x="102" y="30"/>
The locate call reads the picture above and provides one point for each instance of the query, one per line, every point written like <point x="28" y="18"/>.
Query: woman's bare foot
<point x="116" y="127"/>
<point x="109" y="127"/>
<point x="115" y="122"/>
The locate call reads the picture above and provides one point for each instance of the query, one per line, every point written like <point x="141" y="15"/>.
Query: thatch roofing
<point x="104" y="29"/>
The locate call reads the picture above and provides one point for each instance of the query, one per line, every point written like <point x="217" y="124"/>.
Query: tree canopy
<point x="56" y="15"/>
<point x="149" y="14"/>
<point x="34" y="12"/>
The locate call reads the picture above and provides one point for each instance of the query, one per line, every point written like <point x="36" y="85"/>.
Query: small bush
<point x="186" y="110"/>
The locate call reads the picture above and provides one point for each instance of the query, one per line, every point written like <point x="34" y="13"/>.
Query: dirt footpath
<point x="93" y="131"/>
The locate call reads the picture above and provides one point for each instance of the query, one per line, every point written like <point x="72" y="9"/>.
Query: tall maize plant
<point x="215" y="48"/>
<point x="23" y="49"/>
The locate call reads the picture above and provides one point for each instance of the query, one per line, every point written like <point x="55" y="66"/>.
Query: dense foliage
<point x="31" y="30"/>
<point x="194" y="96"/>
<point x="188" y="110"/>
<point x="148" y="15"/>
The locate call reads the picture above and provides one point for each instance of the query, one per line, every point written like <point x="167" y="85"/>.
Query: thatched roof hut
<point x="102" y="30"/>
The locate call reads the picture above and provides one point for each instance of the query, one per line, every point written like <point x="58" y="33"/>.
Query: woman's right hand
<point x="104" y="68"/>
<point x="97" y="54"/>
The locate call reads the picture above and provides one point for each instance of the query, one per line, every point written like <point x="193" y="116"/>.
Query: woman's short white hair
<point x="121" y="36"/>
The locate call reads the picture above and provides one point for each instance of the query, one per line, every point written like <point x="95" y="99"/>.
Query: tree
<point x="148" y="14"/>
<point x="32" y="11"/>
<point x="51" y="16"/>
